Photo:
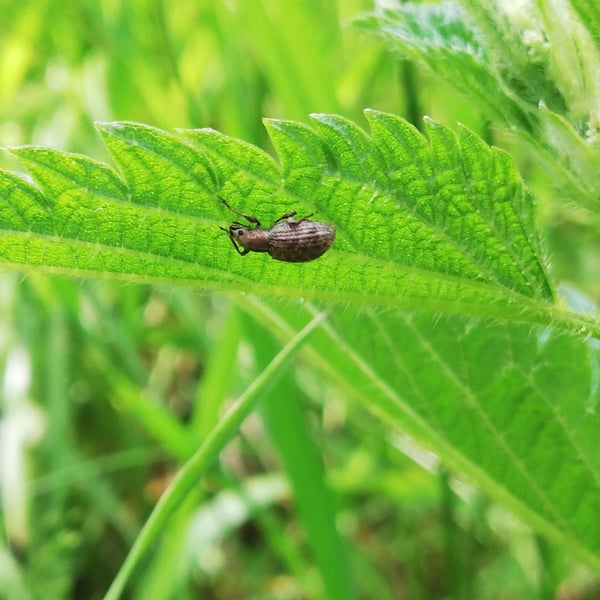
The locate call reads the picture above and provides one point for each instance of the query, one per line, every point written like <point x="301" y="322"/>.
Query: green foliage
<point x="447" y="324"/>
<point x="446" y="224"/>
<point x="588" y="13"/>
<point x="533" y="70"/>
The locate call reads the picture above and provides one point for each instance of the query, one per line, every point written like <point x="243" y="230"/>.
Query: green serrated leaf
<point x="240" y="168"/>
<point x="449" y="42"/>
<point x="302" y="155"/>
<point x="23" y="208"/>
<point x="57" y="173"/>
<point x="443" y="224"/>
<point x="528" y="67"/>
<point x="160" y="169"/>
<point x="512" y="408"/>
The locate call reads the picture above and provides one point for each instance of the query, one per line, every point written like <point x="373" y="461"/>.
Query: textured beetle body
<point x="288" y="239"/>
<point x="300" y="241"/>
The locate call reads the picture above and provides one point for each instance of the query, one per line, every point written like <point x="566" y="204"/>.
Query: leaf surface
<point x="443" y="223"/>
<point x="512" y="408"/>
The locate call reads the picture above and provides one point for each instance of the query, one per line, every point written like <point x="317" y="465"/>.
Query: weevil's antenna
<point x="248" y="218"/>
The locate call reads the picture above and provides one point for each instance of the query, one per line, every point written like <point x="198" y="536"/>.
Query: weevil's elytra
<point x="288" y="239"/>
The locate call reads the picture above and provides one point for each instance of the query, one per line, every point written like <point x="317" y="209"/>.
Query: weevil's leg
<point x="235" y="245"/>
<point x="312" y="214"/>
<point x="248" y="218"/>
<point x="286" y="216"/>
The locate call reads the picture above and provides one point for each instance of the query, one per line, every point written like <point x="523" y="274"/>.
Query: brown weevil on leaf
<point x="288" y="239"/>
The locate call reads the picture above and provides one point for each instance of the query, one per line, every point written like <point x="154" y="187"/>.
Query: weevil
<point x="288" y="239"/>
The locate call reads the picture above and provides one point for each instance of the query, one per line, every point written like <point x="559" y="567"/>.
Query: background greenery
<point x="329" y="489"/>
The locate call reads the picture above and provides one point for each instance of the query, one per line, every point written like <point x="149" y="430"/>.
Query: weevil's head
<point x="254" y="239"/>
<point x="236" y="231"/>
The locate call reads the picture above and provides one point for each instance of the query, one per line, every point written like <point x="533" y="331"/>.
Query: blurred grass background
<point x="107" y="388"/>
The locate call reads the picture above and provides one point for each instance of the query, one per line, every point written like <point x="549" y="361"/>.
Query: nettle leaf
<point x="443" y="223"/>
<point x="440" y="36"/>
<point x="479" y="52"/>
<point x="512" y="408"/>
<point x="531" y="73"/>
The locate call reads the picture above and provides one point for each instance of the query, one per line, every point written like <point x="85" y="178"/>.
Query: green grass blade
<point x="282" y="413"/>
<point x="188" y="475"/>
